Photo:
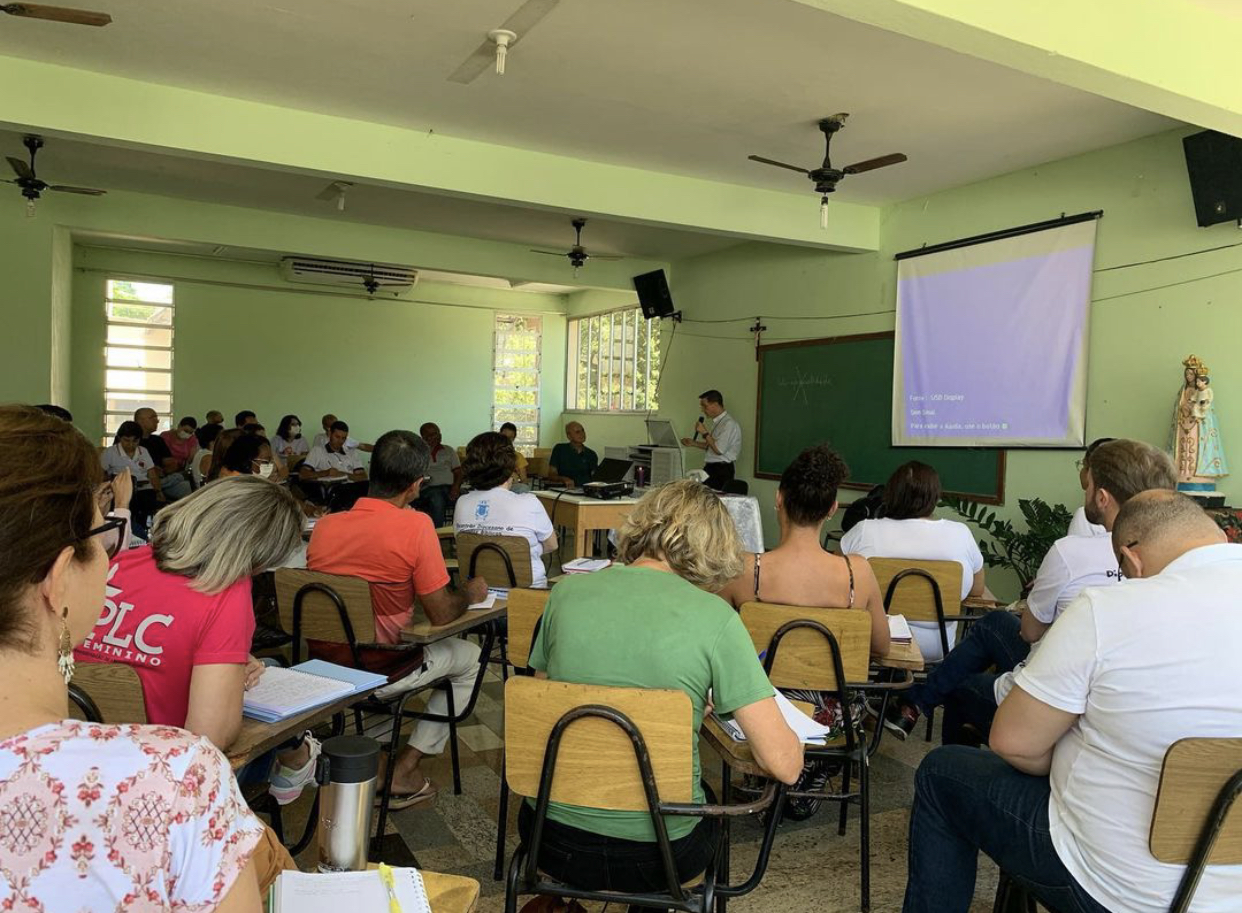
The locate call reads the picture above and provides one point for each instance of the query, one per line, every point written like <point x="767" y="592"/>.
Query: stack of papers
<point x="487" y="603"/>
<point x="585" y="565"/>
<point x="304" y="892"/>
<point x="284" y="693"/>
<point x="899" y="629"/>
<point x="808" y="731"/>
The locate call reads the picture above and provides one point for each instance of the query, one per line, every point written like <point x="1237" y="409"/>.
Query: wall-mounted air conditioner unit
<point x="367" y="277"/>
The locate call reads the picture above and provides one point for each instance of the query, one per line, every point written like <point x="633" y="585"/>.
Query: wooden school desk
<point x="420" y="630"/>
<point x="583" y="514"/>
<point x="257" y="737"/>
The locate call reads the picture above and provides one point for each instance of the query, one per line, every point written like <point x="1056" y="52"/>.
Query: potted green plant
<point x="1021" y="552"/>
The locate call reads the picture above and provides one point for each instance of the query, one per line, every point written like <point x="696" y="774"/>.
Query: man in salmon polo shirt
<point x="396" y="549"/>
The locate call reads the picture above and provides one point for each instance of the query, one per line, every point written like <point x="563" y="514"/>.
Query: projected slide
<point x="991" y="346"/>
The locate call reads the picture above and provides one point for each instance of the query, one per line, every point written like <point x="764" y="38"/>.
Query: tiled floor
<point x="811" y="867"/>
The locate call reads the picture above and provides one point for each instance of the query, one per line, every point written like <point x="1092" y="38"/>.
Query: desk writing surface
<point x="257" y="737"/>
<point x="563" y="498"/>
<point x="420" y="630"/>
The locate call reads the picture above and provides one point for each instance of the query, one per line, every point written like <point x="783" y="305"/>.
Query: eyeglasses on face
<point x="111" y="544"/>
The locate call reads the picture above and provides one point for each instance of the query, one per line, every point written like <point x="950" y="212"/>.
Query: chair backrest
<point x="804" y="657"/>
<point x="321" y="615"/>
<point x="595" y="765"/>
<point x="537" y="466"/>
<point x="490" y="565"/>
<point x="1194" y="772"/>
<point x="114" y="688"/>
<point x="524" y="611"/>
<point x="914" y="596"/>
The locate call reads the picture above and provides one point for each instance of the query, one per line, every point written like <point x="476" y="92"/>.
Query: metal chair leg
<point x="358" y="720"/>
<point x="845" y="788"/>
<point x="931" y="721"/>
<point x="382" y="821"/>
<point x="451" y="714"/>
<point x="502" y="825"/>
<point x="864" y="830"/>
<point x="726" y="798"/>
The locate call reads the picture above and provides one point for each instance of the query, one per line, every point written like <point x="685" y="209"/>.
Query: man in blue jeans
<point x="1063" y="802"/>
<point x="1111" y="472"/>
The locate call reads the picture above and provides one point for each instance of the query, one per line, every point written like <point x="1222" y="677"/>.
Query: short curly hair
<point x="490" y="460"/>
<point x="686" y="525"/>
<point x="809" y="485"/>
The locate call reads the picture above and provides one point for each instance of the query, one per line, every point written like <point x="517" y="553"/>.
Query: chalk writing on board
<point x="803" y="381"/>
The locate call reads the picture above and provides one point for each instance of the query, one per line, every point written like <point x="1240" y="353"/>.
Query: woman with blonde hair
<point x="655" y="622"/>
<point x="77" y="789"/>
<point x="180" y="610"/>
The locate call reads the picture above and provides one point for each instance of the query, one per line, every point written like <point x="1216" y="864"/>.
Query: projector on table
<point x="606" y="491"/>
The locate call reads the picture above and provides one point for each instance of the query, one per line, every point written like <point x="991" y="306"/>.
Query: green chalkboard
<point x="840" y="391"/>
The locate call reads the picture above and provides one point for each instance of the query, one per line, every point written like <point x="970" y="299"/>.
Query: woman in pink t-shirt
<point x="73" y="791"/>
<point x="179" y="610"/>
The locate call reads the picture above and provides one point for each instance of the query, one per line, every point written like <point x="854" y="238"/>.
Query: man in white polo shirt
<point x="722" y="445"/>
<point x="332" y="464"/>
<point x="1000" y="641"/>
<point x="1064" y="800"/>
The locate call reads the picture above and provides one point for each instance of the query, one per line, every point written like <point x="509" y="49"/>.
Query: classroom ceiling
<point x="114" y="168"/>
<point x="691" y="87"/>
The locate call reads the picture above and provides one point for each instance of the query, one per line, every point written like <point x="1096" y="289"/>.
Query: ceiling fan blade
<point x="22" y="169"/>
<point x="88" y="191"/>
<point x="474" y="66"/>
<point x="604" y="257"/>
<point x="550" y="253"/>
<point x="529" y="15"/>
<point x="893" y="158"/>
<point x="56" y="13"/>
<point x="761" y="160"/>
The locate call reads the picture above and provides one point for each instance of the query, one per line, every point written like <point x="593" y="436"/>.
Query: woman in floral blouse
<point x="92" y="817"/>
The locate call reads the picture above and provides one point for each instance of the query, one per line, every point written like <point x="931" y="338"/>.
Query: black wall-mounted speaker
<point x="1214" y="162"/>
<point x="653" y="294"/>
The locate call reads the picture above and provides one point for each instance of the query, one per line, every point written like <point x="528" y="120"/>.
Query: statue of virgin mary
<point x="1198" y="451"/>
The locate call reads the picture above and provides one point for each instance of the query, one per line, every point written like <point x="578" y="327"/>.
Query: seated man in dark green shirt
<point x="572" y="463"/>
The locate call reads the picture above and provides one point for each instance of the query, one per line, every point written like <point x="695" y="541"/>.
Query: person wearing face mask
<point x="181" y="442"/>
<point x="248" y="455"/>
<point x="288" y="444"/>
<point x="1063" y="801"/>
<point x="99" y="778"/>
<point x="126" y="455"/>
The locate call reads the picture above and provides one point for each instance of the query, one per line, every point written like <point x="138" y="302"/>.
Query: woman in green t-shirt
<point x="655" y="623"/>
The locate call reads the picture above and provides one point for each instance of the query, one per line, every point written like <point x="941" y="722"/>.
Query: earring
<point x="64" y="653"/>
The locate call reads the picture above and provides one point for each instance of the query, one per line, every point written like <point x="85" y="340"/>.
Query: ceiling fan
<point x="31" y="185"/>
<point x="55" y="13"/>
<point x="577" y="254"/>
<point x="496" y="48"/>
<point x="825" y="176"/>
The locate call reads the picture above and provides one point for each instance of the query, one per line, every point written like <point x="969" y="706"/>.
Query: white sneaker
<point x="286" y="784"/>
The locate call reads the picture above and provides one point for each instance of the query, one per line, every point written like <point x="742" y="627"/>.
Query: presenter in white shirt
<point x="1063" y="801"/>
<point x="722" y="444"/>
<point x="491" y="508"/>
<point x="1001" y="641"/>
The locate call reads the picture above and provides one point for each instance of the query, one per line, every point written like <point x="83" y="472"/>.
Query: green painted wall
<point x="25" y="307"/>
<point x="1138" y="338"/>
<point x="247" y="339"/>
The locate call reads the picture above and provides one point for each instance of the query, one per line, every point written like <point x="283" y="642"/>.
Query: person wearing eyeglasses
<point x="81" y="786"/>
<point x="1063" y="802"/>
<point x="249" y="455"/>
<point x="1001" y="642"/>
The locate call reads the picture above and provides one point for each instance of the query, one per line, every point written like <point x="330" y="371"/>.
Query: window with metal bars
<point x="138" y="352"/>
<point x="614" y="362"/>
<point x="516" y="354"/>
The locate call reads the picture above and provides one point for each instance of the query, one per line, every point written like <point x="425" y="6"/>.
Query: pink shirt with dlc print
<point x="155" y="622"/>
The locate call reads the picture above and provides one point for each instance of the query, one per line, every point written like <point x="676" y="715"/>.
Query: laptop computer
<point x="610" y="470"/>
<point x="661" y="433"/>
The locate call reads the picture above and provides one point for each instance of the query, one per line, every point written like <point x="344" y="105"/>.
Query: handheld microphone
<point x="702" y="418"/>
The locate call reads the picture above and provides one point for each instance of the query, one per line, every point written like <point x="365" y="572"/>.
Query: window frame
<point x="110" y="393"/>
<point x="527" y="447"/>
<point x="573" y="339"/>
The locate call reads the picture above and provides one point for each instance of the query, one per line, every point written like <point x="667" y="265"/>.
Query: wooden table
<point x="257" y="738"/>
<point x="583" y="514"/>
<point x="420" y="630"/>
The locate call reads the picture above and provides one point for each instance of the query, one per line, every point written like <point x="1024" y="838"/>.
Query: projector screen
<point x="991" y="346"/>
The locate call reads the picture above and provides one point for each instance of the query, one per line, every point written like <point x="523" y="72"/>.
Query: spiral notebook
<point x="304" y="892"/>
<point x="283" y="693"/>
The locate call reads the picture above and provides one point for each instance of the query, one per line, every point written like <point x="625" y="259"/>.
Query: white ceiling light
<point x="502" y="38"/>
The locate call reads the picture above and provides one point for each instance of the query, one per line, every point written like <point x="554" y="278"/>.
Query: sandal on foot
<point x="398" y="801"/>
